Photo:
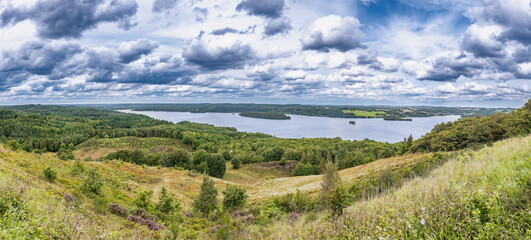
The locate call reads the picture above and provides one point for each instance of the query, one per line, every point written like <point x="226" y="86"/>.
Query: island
<point x="266" y="115"/>
<point x="392" y="118"/>
<point x="352" y="122"/>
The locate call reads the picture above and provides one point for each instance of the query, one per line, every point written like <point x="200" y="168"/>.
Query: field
<point x="361" y="113"/>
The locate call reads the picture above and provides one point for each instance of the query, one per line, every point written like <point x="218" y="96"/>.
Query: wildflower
<point x="422" y="221"/>
<point x="423" y="208"/>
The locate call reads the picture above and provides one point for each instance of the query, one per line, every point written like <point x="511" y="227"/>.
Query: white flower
<point x="422" y="221"/>
<point x="423" y="208"/>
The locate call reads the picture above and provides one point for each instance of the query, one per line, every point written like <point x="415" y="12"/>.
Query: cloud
<point x="161" y="5"/>
<point x="514" y="16"/>
<point x="227" y="30"/>
<point x="70" y="18"/>
<point x="483" y="41"/>
<point x="269" y="8"/>
<point x="277" y="26"/>
<point x="214" y="57"/>
<point x="131" y="51"/>
<point x="334" y="32"/>
<point x="40" y="58"/>
<point x="447" y="67"/>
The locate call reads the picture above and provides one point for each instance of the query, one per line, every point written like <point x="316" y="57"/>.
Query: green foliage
<point x="167" y="202"/>
<point x="50" y="174"/>
<point x="143" y="200"/>
<point x="179" y="158"/>
<point x="216" y="165"/>
<point x="298" y="202"/>
<point x="226" y="155"/>
<point x="93" y="182"/>
<point x="13" y="145"/>
<point x="206" y="201"/>
<point x="266" y="115"/>
<point x="304" y="169"/>
<point x="78" y="168"/>
<point x="338" y="199"/>
<point x="235" y="163"/>
<point x="330" y="178"/>
<point x="234" y="197"/>
<point x="273" y="154"/>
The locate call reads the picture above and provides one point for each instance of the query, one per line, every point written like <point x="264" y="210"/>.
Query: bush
<point x="50" y="174"/>
<point x="77" y="168"/>
<point x="226" y="155"/>
<point x="234" y="197"/>
<point x="143" y="200"/>
<point x="93" y="182"/>
<point x="13" y="145"/>
<point x="235" y="163"/>
<point x="118" y="209"/>
<point x="179" y="158"/>
<point x="338" y="199"/>
<point x="167" y="202"/>
<point x="304" y="169"/>
<point x="216" y="165"/>
<point x="206" y="201"/>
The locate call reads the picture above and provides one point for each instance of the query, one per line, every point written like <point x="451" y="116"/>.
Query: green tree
<point x="235" y="163"/>
<point x="167" y="202"/>
<point x="234" y="197"/>
<point x="93" y="182"/>
<point x="143" y="200"/>
<point x="206" y="201"/>
<point x="216" y="165"/>
<point x="330" y="178"/>
<point x="226" y="155"/>
<point x="337" y="199"/>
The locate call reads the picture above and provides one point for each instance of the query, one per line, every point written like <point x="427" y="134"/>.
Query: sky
<point x="337" y="52"/>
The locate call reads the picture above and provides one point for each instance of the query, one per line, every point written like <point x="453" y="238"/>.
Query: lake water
<point x="311" y="127"/>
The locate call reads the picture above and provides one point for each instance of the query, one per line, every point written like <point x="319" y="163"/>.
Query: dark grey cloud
<point x="131" y="51"/>
<point x="277" y="26"/>
<point x="334" y="32"/>
<point x="226" y="30"/>
<point x="161" y="5"/>
<point x="40" y="58"/>
<point x="70" y="18"/>
<point x="450" y="68"/>
<point x="215" y="58"/>
<point x="269" y="8"/>
<point x="481" y="47"/>
<point x="371" y="60"/>
<point x="515" y="20"/>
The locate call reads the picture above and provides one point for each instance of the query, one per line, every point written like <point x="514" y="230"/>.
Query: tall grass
<point x="475" y="195"/>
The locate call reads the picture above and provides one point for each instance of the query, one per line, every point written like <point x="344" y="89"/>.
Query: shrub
<point x="13" y="145"/>
<point x="143" y="200"/>
<point x="330" y="177"/>
<point x="167" y="202"/>
<point x="304" y="169"/>
<point x="118" y="209"/>
<point x="206" y="201"/>
<point x="216" y="165"/>
<point x="235" y="163"/>
<point x="93" y="182"/>
<point x="234" y="197"/>
<point x="179" y="158"/>
<point x="226" y="155"/>
<point x="77" y="168"/>
<point x="283" y="161"/>
<point x="143" y="213"/>
<point x="50" y="174"/>
<point x="338" y="199"/>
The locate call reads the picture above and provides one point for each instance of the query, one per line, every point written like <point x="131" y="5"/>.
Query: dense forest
<point x="312" y="110"/>
<point x="266" y="115"/>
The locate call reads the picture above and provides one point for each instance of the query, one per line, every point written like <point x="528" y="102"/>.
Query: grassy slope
<point x="443" y="199"/>
<point x="483" y="194"/>
<point x="96" y="148"/>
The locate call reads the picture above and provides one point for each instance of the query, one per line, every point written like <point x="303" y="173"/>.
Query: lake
<point x="311" y="127"/>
